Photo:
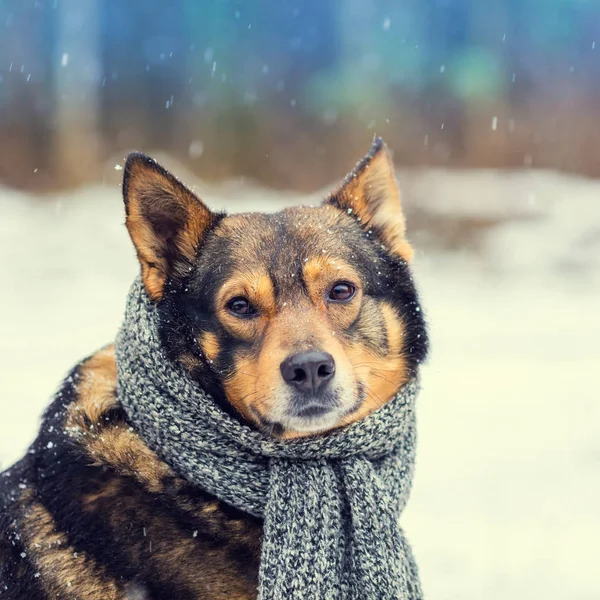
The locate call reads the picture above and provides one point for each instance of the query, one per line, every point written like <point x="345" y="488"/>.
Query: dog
<point x="297" y="323"/>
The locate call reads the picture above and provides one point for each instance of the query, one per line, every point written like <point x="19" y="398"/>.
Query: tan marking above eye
<point x="322" y="272"/>
<point x="257" y="288"/>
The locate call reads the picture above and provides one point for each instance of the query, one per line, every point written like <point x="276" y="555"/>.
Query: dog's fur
<point x="97" y="515"/>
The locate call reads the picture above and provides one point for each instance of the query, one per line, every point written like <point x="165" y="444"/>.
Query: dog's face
<point x="301" y="321"/>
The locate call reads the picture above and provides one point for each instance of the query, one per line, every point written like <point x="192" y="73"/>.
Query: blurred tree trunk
<point x="25" y="103"/>
<point x="77" y="74"/>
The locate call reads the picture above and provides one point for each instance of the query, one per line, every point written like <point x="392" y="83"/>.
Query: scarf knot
<point x="330" y="503"/>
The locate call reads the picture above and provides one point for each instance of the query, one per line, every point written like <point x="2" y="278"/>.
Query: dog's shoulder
<point x="92" y="512"/>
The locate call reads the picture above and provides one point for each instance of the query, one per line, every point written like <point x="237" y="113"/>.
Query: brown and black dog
<point x="297" y="322"/>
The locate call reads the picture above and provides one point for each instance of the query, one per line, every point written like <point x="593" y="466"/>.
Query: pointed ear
<point x="371" y="195"/>
<point x="165" y="220"/>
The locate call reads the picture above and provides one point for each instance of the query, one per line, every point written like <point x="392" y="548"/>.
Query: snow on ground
<point x="506" y="496"/>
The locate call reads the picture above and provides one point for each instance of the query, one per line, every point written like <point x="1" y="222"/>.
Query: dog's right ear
<point x="370" y="193"/>
<point x="166" y="222"/>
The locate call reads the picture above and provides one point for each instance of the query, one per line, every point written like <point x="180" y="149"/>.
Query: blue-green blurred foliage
<point x="264" y="88"/>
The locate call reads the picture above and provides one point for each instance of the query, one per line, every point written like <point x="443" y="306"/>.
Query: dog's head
<point x="300" y="321"/>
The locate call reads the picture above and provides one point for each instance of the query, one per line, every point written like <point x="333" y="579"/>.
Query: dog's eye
<point x="342" y="292"/>
<point x="240" y="306"/>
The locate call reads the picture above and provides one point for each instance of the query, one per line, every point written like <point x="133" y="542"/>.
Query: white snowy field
<point x="507" y="492"/>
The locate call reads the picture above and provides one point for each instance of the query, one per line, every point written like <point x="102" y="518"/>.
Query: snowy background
<point x="506" y="496"/>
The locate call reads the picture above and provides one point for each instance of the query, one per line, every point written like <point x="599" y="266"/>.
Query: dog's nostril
<point x="299" y="375"/>
<point x="325" y="371"/>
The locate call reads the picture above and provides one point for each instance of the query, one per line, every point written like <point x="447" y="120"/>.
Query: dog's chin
<point x="312" y="424"/>
<point x="294" y="418"/>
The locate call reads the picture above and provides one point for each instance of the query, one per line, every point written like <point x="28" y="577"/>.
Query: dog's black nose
<point x="308" y="371"/>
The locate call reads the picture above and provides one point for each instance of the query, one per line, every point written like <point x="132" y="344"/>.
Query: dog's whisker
<point x="250" y="374"/>
<point x="375" y="368"/>
<point x="382" y="377"/>
<point x="368" y="363"/>
<point x="370" y="391"/>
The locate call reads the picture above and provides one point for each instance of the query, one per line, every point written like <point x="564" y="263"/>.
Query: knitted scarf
<point x="330" y="503"/>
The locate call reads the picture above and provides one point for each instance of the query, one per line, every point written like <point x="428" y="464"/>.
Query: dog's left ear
<point x="371" y="195"/>
<point x="165" y="220"/>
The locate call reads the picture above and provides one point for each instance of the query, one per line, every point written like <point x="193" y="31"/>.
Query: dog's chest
<point x="107" y="538"/>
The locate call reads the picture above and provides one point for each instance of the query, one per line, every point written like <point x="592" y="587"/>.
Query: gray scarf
<point x="330" y="503"/>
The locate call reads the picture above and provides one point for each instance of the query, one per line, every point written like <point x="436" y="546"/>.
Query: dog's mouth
<point x="306" y="416"/>
<point x="312" y="406"/>
<point x="312" y="410"/>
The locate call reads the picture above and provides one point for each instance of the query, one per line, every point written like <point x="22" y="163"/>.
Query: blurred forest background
<point x="492" y="110"/>
<point x="289" y="93"/>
